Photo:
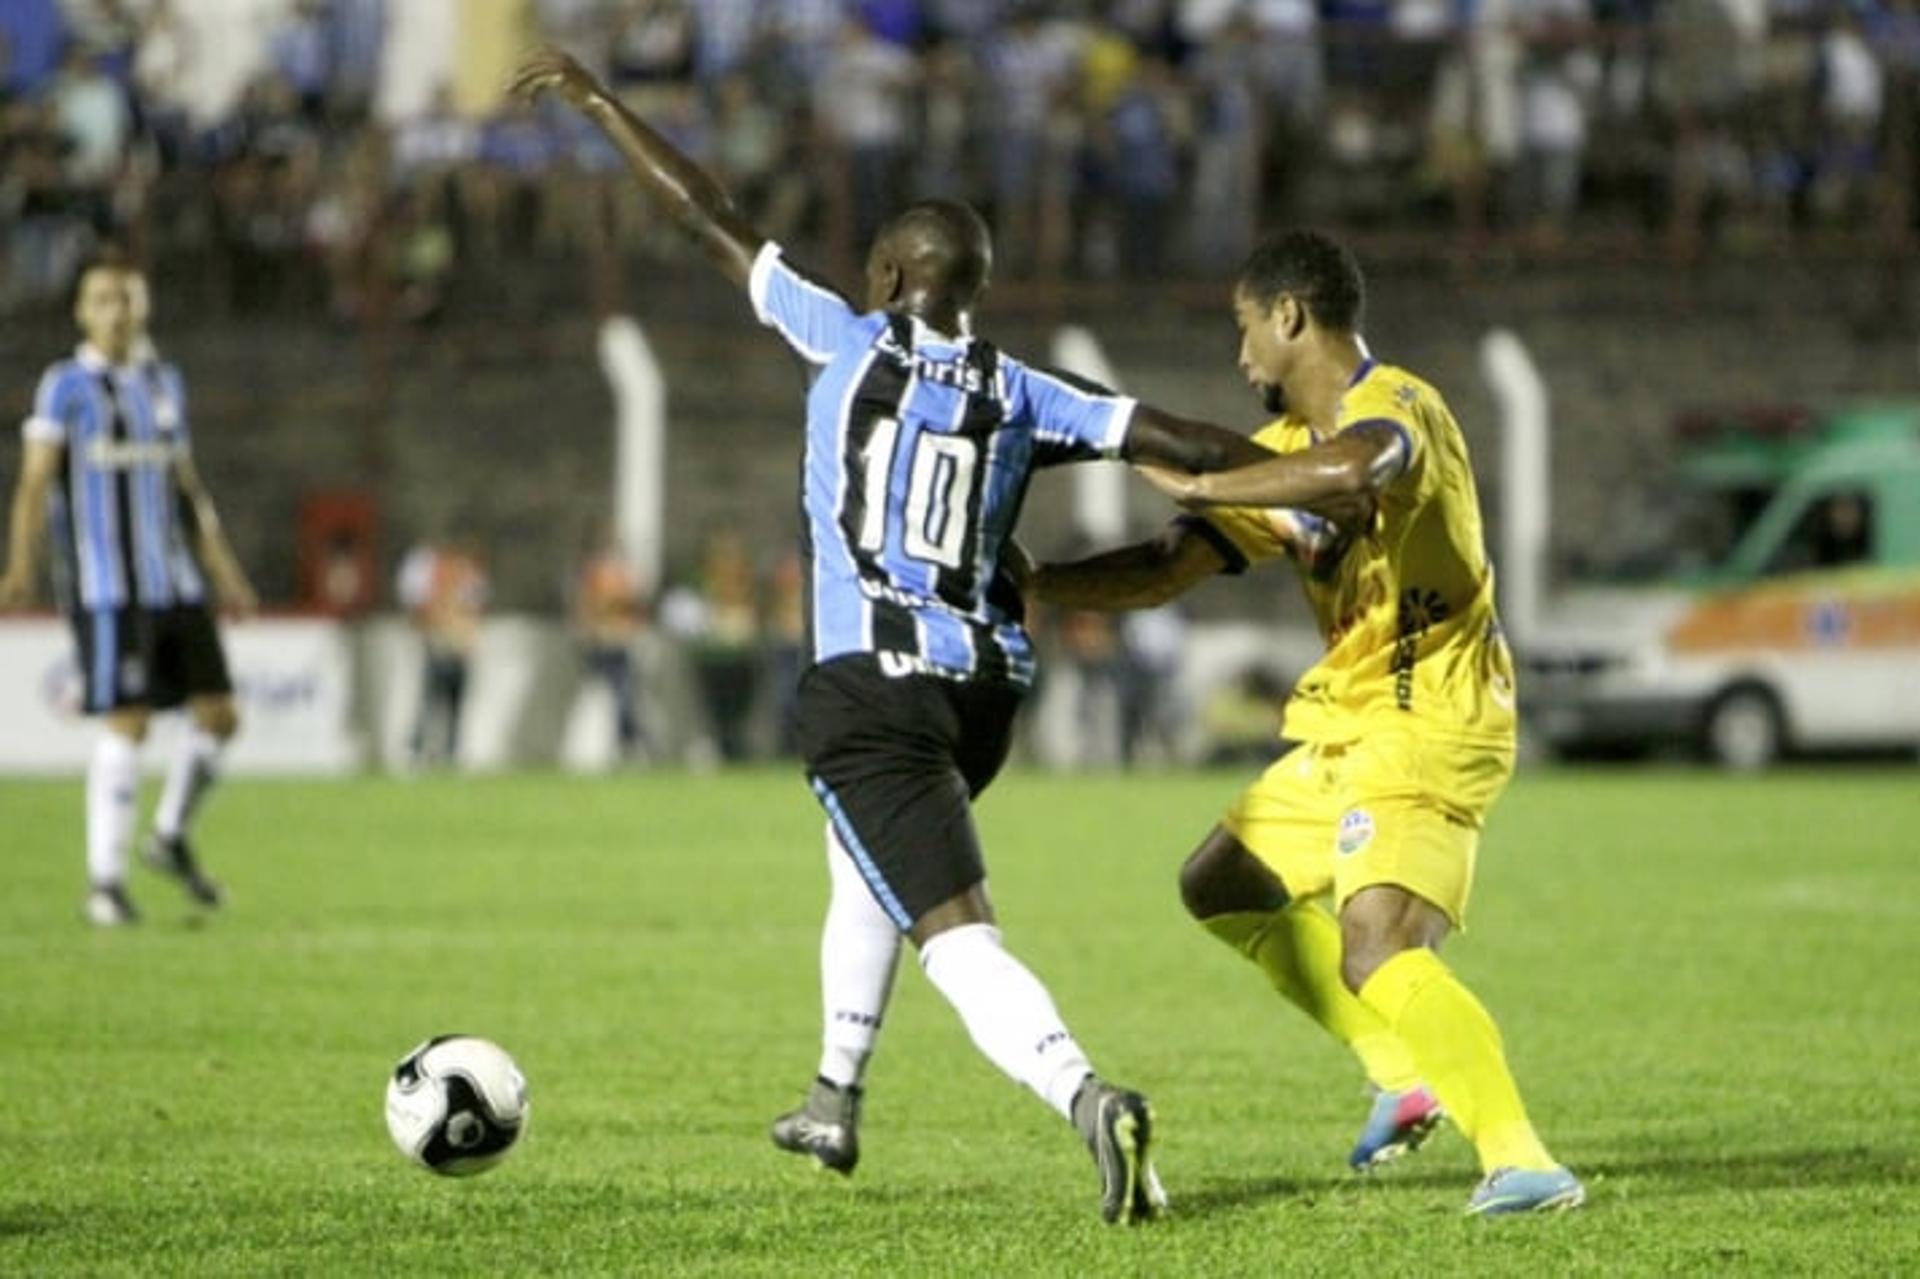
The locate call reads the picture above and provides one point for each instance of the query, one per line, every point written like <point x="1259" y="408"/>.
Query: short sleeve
<point x="1071" y="420"/>
<point x="811" y="317"/>
<point x="52" y="406"/>
<point x="1394" y="405"/>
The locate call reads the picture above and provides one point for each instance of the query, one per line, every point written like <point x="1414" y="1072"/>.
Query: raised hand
<point x="550" y="70"/>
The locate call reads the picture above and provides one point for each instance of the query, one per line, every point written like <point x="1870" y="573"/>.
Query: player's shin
<point x="190" y="776"/>
<point x="1008" y="1013"/>
<point x="1457" y="1048"/>
<point x="112" y="787"/>
<point x="1298" y="949"/>
<point x="859" y="953"/>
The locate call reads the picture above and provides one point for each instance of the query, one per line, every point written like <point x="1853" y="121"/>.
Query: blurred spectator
<point x="1153" y="715"/>
<point x="303" y="55"/>
<point x="443" y="587"/>
<point x="1852" y="99"/>
<point x="35" y="35"/>
<point x="609" y="617"/>
<point x="720" y="623"/>
<point x="861" y="106"/>
<point x="1029" y="70"/>
<point x="786" y="647"/>
<point x="652" y="43"/>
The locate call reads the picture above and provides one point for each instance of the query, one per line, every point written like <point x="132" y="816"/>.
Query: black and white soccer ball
<point x="457" y="1104"/>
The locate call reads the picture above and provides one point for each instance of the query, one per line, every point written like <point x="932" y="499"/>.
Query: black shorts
<point x="153" y="657"/>
<point x="896" y="763"/>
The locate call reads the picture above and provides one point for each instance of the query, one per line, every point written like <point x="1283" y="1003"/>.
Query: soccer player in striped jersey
<point x="920" y="440"/>
<point x="137" y="544"/>
<point x="1341" y="870"/>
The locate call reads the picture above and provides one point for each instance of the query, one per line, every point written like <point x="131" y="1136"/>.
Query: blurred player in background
<point x="609" y="616"/>
<point x="137" y="543"/>
<point x="920" y="441"/>
<point x="443" y="587"/>
<point x="1405" y="728"/>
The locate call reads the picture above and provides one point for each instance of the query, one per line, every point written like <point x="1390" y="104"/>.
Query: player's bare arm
<point x="27" y="521"/>
<point x="1144" y="575"/>
<point x="688" y="193"/>
<point x="1331" y="477"/>
<point x="236" y="593"/>
<point x="1162" y="439"/>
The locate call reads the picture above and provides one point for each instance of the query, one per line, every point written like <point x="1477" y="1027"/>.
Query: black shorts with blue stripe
<point x="150" y="657"/>
<point x="897" y="763"/>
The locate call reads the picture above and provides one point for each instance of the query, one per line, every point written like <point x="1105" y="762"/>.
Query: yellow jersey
<point x="1407" y="612"/>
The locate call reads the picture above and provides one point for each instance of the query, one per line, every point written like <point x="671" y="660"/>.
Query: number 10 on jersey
<point x="939" y="489"/>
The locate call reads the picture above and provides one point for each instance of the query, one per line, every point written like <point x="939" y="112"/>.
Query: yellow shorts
<point x="1387" y="809"/>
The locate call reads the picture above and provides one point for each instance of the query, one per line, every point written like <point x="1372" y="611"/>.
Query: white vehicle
<point x="1767" y="601"/>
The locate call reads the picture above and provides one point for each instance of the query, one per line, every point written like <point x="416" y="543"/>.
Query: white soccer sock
<point x="859" y="950"/>
<point x="189" y="777"/>
<point x="1007" y="1011"/>
<point x="113" y="784"/>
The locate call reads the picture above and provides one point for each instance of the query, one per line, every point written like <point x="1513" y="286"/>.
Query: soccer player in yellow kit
<point x="1340" y="871"/>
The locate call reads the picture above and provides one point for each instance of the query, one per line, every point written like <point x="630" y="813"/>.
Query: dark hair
<point x="1313" y="267"/>
<point x="948" y="239"/>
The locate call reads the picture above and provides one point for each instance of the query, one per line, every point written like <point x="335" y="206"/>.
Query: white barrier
<point x="292" y="680"/>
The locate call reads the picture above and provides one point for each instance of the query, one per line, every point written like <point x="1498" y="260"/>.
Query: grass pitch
<point x="1707" y="986"/>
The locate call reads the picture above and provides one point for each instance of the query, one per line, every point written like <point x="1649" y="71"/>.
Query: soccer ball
<point x="456" y="1105"/>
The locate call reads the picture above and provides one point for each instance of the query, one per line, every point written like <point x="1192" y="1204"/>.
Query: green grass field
<point x="1708" y="988"/>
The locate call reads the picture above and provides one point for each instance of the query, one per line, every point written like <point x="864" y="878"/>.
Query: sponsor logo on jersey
<point x="125" y="455"/>
<point x="1356" y="832"/>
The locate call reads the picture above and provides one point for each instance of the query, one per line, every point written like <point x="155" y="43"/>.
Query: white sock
<point x="1007" y="1011"/>
<point x="191" y="774"/>
<point x="113" y="784"/>
<point x="859" y="950"/>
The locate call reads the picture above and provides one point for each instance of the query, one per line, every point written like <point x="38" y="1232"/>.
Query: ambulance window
<point x="1835" y="530"/>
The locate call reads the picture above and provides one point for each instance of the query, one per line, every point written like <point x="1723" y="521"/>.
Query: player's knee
<point x="1221" y="877"/>
<point x="220" y="718"/>
<point x="130" y="724"/>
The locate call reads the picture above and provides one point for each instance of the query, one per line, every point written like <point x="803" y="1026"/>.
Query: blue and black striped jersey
<point x="118" y="532"/>
<point x="918" y="454"/>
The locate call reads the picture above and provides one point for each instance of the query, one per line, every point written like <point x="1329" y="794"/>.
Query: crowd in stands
<point x="310" y="145"/>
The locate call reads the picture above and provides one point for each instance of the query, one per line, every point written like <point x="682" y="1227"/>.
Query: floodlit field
<point x="1710" y="988"/>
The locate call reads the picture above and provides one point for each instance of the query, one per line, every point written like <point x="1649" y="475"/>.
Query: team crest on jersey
<point x="1356" y="832"/>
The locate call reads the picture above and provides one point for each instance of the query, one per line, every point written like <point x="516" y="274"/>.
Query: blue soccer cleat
<point x="1510" y="1190"/>
<point x="1398" y="1124"/>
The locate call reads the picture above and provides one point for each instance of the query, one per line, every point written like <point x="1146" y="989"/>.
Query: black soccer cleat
<point x="826" y="1127"/>
<point x="1117" y="1125"/>
<point x="108" y="906"/>
<point x="174" y="858"/>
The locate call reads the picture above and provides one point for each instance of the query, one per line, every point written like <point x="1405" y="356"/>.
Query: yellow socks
<point x="1298" y="948"/>
<point x="1457" y="1049"/>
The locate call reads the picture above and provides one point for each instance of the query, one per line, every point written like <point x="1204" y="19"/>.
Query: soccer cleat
<point x="108" y="906"/>
<point x="827" y="1127"/>
<point x="1117" y="1124"/>
<point x="1511" y="1190"/>
<point x="1399" y="1124"/>
<point x="174" y="858"/>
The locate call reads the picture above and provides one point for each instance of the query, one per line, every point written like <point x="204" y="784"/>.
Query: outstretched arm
<point x="1354" y="465"/>
<point x="1144" y="575"/>
<point x="1159" y="438"/>
<point x="27" y="521"/>
<point x="688" y="193"/>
